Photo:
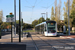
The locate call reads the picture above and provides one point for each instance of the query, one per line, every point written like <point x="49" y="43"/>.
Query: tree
<point x="66" y="11"/>
<point x="27" y="26"/>
<point x="17" y="21"/>
<point x="1" y="16"/>
<point x="41" y="20"/>
<point x="47" y="19"/>
<point x="52" y="14"/>
<point x="59" y="11"/>
<point x="72" y="15"/>
<point x="5" y="24"/>
<point x="56" y="17"/>
<point x="35" y="22"/>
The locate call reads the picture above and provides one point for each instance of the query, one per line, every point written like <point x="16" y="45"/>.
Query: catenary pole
<point x="68" y="20"/>
<point x="15" y="16"/>
<point x="46" y="15"/>
<point x="19" y="21"/>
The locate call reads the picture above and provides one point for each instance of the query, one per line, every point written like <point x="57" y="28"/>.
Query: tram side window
<point x="45" y="28"/>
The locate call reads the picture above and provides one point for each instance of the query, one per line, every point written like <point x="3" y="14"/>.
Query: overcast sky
<point x="31" y="9"/>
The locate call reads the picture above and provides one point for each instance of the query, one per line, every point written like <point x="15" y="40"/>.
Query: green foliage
<point x="47" y="19"/>
<point x="52" y="14"/>
<point x="17" y="21"/>
<point x="1" y="16"/>
<point x="41" y="20"/>
<point x="4" y="25"/>
<point x="66" y="13"/>
<point x="73" y="22"/>
<point x="27" y="26"/>
<point x="35" y="22"/>
<point x="72" y="15"/>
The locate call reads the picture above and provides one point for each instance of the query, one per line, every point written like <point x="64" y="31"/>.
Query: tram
<point x="47" y="28"/>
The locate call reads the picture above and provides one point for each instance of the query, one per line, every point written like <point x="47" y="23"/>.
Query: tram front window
<point x="51" y="27"/>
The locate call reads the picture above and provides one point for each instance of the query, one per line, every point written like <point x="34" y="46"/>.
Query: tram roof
<point x="45" y="22"/>
<point x="41" y="23"/>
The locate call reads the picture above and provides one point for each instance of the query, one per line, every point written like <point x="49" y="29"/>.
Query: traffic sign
<point x="10" y="18"/>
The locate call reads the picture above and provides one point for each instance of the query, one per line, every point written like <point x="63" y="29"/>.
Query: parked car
<point x="5" y="30"/>
<point x="9" y="30"/>
<point x="2" y="30"/>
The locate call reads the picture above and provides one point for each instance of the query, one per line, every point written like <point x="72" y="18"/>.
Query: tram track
<point x="36" y="47"/>
<point x="43" y="41"/>
<point x="65" y="42"/>
<point x="46" y="42"/>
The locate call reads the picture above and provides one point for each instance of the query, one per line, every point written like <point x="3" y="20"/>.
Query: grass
<point x="72" y="31"/>
<point x="29" y="31"/>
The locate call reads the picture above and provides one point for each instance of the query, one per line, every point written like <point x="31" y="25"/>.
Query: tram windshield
<point x="51" y="27"/>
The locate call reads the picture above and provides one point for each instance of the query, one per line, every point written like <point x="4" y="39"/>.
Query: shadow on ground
<point x="12" y="47"/>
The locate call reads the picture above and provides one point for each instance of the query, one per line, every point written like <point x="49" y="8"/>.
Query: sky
<point x="30" y="9"/>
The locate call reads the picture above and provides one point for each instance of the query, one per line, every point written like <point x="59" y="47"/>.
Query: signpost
<point x="22" y="28"/>
<point x="10" y="18"/>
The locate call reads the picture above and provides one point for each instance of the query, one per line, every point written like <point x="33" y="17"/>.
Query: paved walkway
<point x="70" y="36"/>
<point x="26" y="43"/>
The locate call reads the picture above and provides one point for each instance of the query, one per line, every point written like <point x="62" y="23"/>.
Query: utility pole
<point x="11" y="33"/>
<point x="15" y="16"/>
<point x="68" y="20"/>
<point x="42" y="15"/>
<point x="0" y="30"/>
<point x="46" y="15"/>
<point x="19" y="21"/>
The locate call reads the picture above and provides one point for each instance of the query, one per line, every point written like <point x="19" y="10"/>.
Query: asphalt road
<point x="5" y="33"/>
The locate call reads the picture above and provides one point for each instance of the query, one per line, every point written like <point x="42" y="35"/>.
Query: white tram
<point x="47" y="28"/>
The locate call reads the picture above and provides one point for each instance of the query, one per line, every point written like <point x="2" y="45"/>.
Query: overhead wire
<point x="39" y="2"/>
<point x="33" y="8"/>
<point x="28" y="2"/>
<point x="35" y="2"/>
<point x="49" y="6"/>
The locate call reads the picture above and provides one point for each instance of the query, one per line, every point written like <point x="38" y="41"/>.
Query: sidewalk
<point x="26" y="43"/>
